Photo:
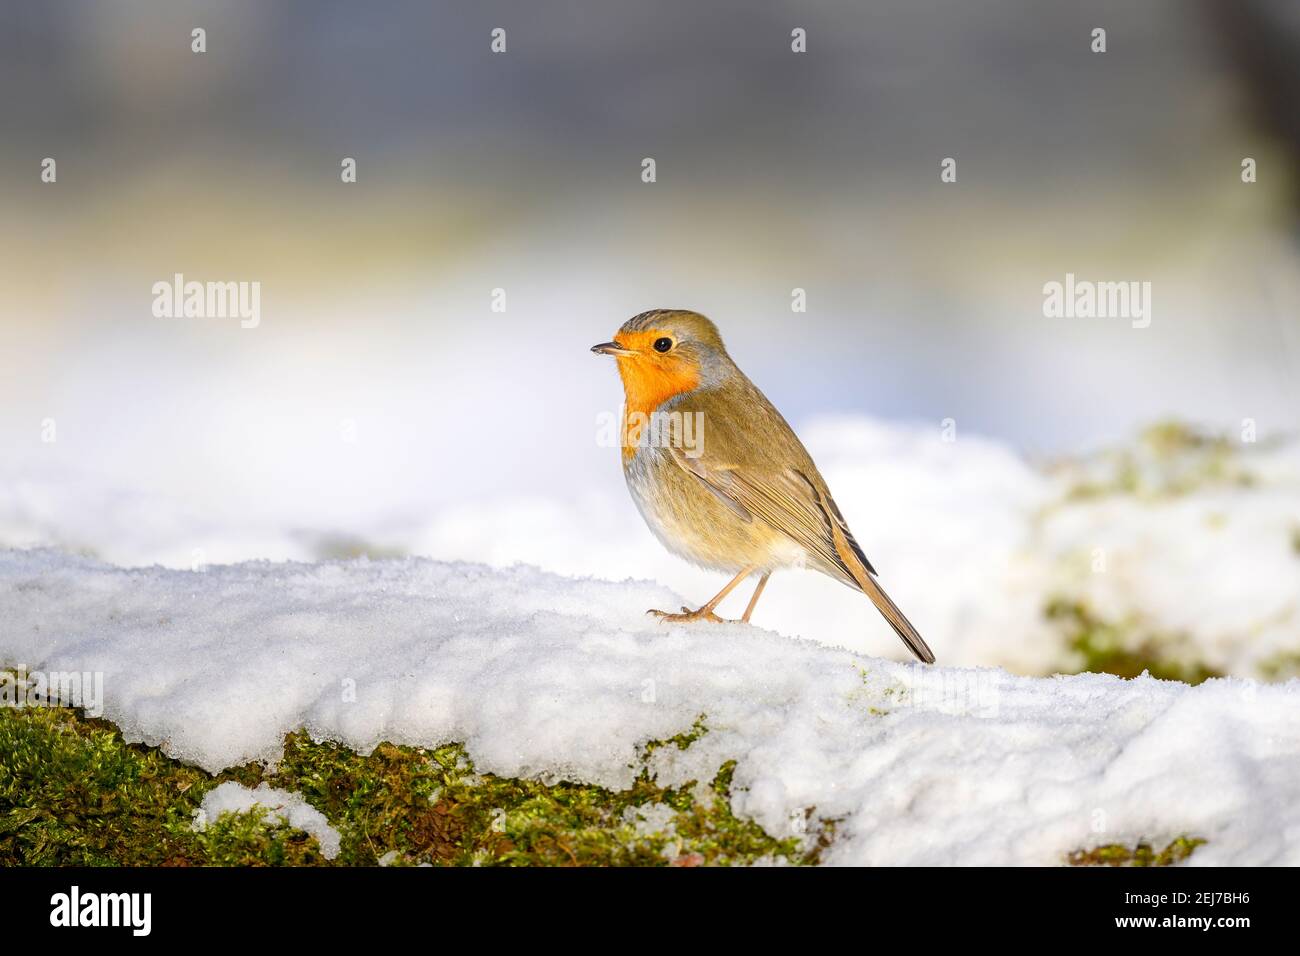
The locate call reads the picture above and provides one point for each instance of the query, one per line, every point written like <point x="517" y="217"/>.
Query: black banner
<point x="333" y="905"/>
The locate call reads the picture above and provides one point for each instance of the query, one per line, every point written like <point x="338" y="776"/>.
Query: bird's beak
<point x="610" y="348"/>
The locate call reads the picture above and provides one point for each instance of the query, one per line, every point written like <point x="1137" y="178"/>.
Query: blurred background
<point x="382" y="407"/>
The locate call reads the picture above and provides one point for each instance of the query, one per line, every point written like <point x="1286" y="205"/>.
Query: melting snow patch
<point x="292" y="809"/>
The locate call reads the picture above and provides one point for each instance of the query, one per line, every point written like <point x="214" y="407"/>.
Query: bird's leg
<point x="762" y="583"/>
<point x="705" y="613"/>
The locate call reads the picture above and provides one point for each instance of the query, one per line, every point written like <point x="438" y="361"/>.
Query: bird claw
<point x="689" y="615"/>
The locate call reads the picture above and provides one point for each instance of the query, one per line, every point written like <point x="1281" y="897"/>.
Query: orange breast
<point x="649" y="380"/>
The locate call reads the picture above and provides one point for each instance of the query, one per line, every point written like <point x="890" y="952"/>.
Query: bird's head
<point x="666" y="352"/>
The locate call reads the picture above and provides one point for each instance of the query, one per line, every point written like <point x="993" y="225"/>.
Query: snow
<point x="1217" y="568"/>
<point x="290" y="808"/>
<point x="215" y="656"/>
<point x="541" y="674"/>
<point x="972" y="540"/>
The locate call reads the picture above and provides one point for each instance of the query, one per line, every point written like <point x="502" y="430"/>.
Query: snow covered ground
<point x="1181" y="545"/>
<point x="1191" y="547"/>
<point x="540" y="674"/>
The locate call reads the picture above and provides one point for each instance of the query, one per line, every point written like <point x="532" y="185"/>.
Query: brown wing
<point x="790" y="502"/>
<point x="792" y="498"/>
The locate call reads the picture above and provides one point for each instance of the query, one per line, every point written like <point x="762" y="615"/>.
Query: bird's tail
<point x="915" y="643"/>
<point x="855" y="563"/>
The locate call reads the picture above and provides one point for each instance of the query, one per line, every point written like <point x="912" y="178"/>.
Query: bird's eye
<point x="663" y="345"/>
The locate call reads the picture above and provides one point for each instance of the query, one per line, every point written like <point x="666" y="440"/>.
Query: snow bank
<point x="291" y="808"/>
<point x="559" y="677"/>
<point x="972" y="540"/>
<point x="1215" y="564"/>
<point x="948" y="525"/>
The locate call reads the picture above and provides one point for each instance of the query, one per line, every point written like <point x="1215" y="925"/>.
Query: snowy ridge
<point x="539" y="674"/>
<point x="973" y="541"/>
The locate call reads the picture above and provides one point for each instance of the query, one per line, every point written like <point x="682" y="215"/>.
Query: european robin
<point x="719" y="476"/>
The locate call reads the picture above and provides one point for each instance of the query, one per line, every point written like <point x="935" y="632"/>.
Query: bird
<point x="719" y="476"/>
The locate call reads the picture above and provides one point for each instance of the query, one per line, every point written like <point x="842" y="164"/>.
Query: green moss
<point x="1117" y="854"/>
<point x="1281" y="666"/>
<point x="681" y="741"/>
<point x="250" y="839"/>
<point x="73" y="792"/>
<point x="1106" y="648"/>
<point x="1169" y="459"/>
<point x="343" y="547"/>
<point x="876" y="698"/>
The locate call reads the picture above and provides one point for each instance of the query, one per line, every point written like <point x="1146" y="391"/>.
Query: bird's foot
<point x="687" y="614"/>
